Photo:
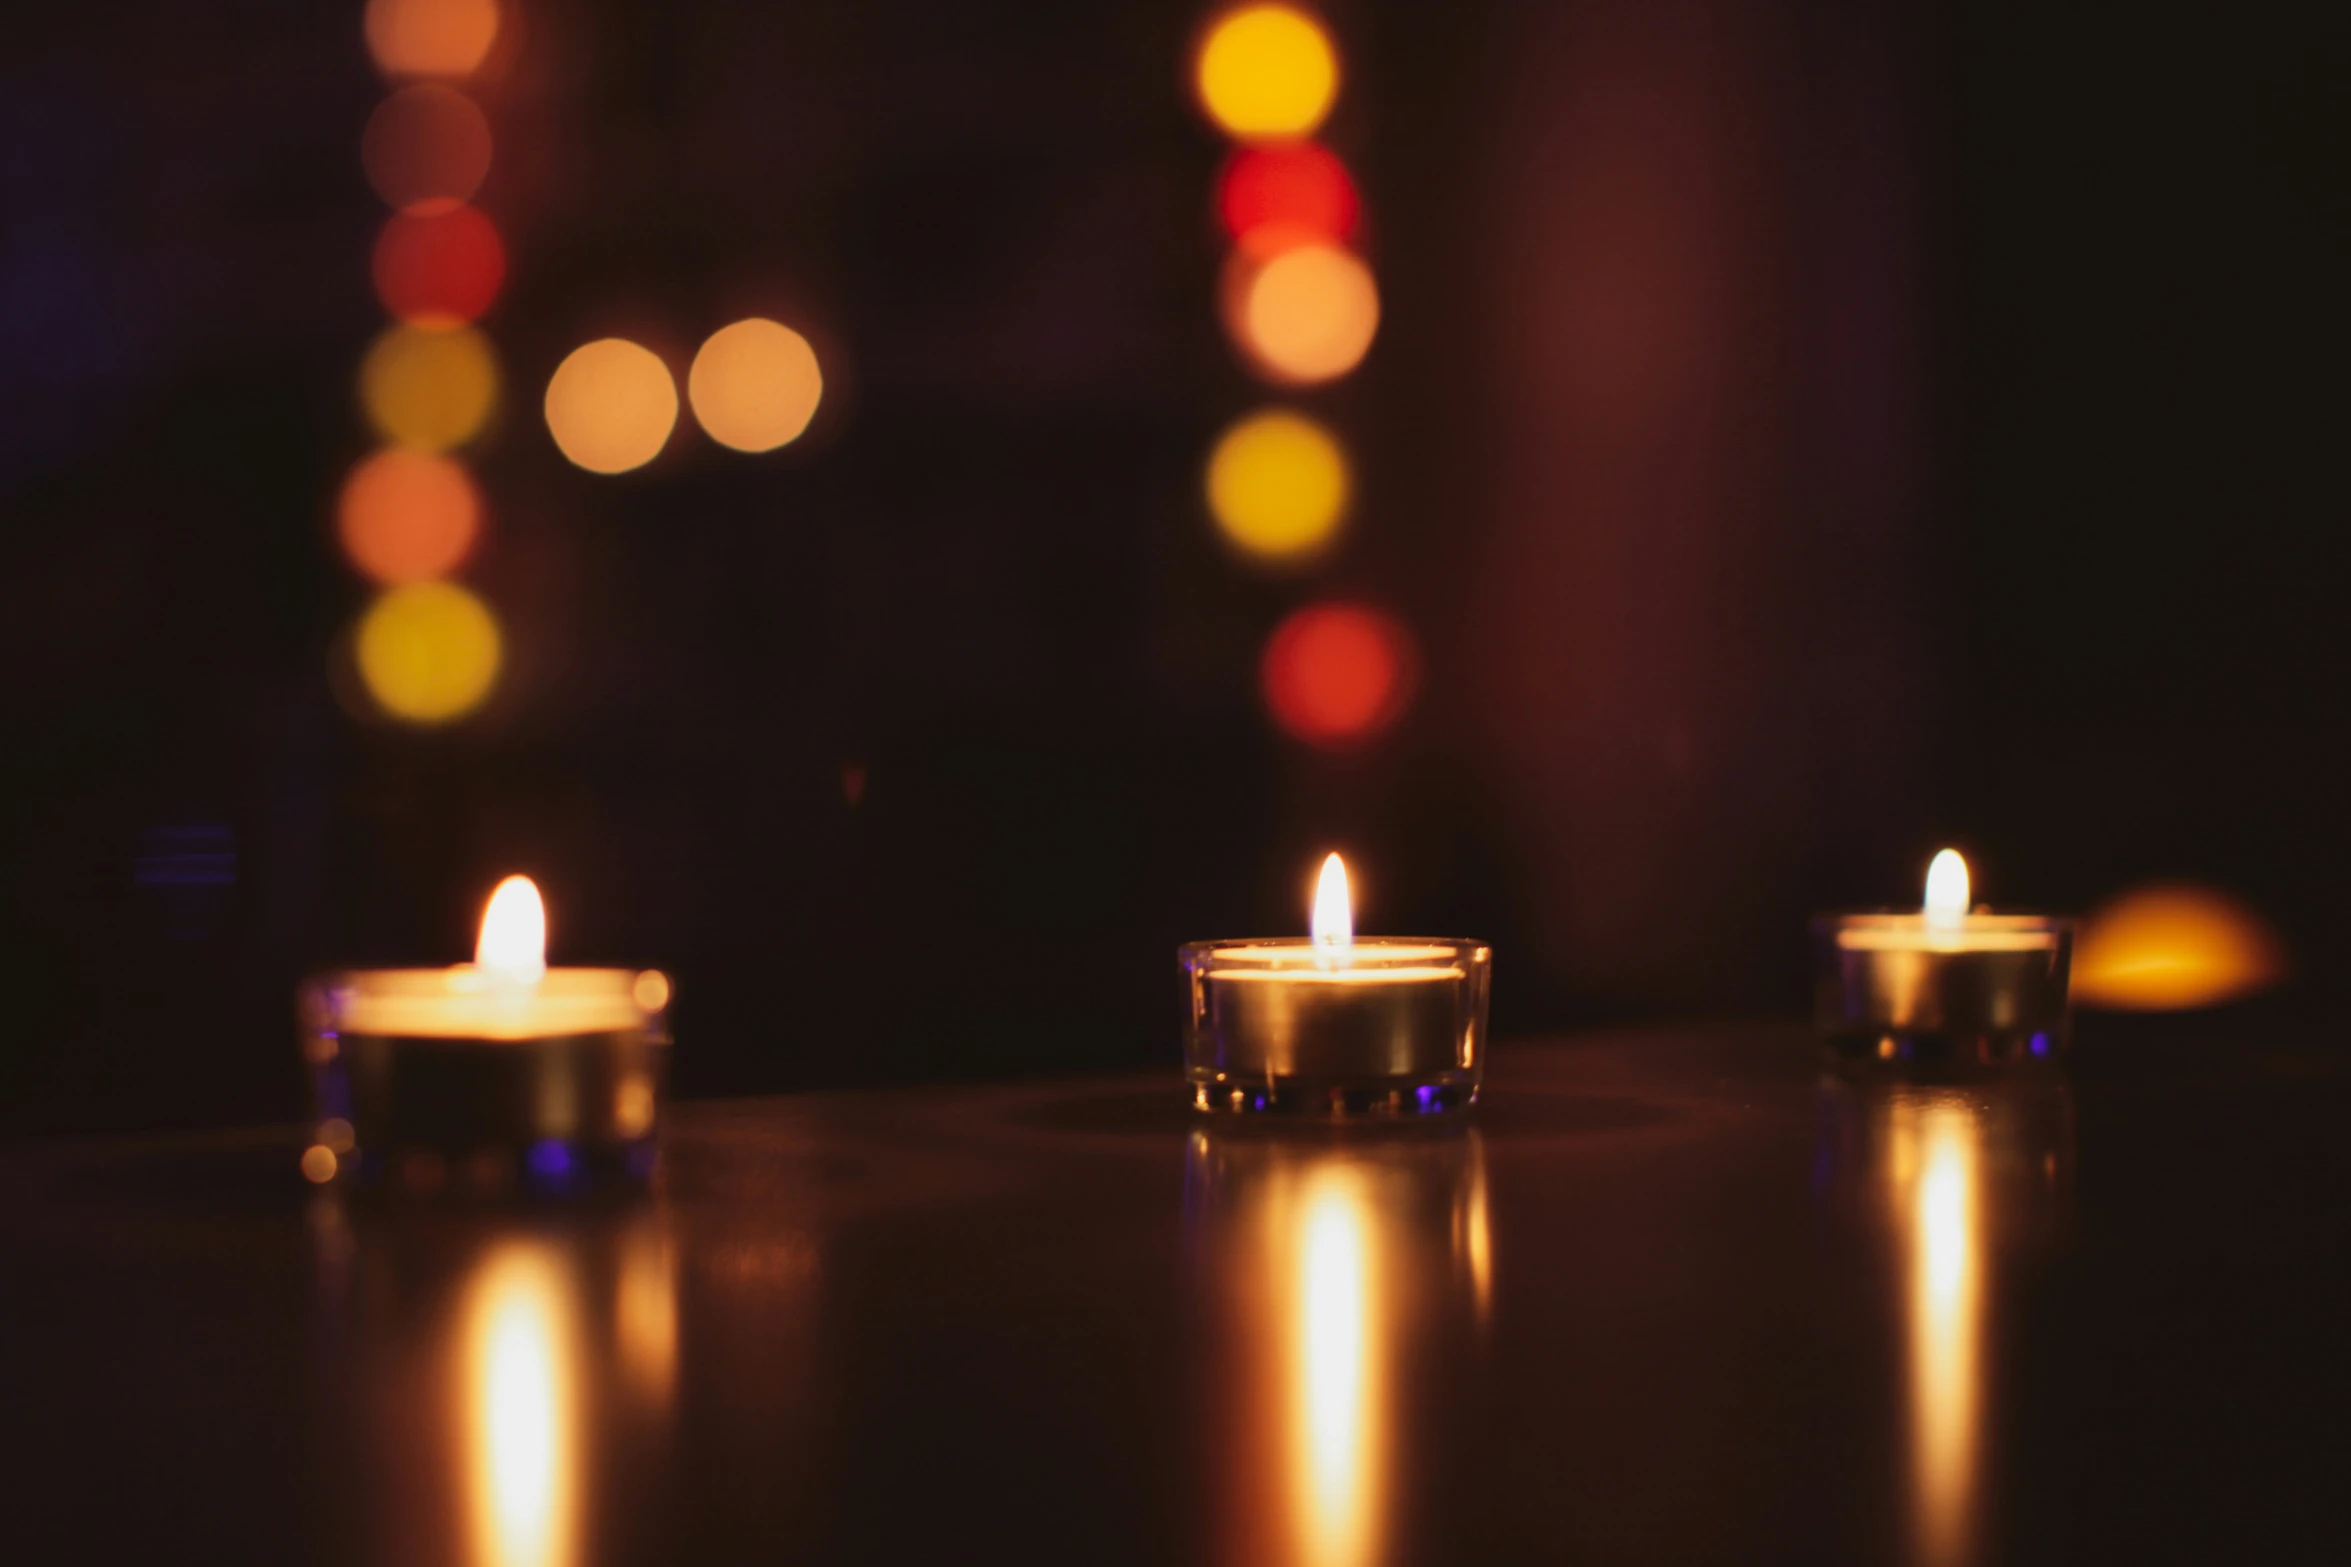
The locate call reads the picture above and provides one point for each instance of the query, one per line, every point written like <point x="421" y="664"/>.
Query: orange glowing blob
<point x="426" y="148"/>
<point x="1273" y="198"/>
<point x="439" y="269"/>
<point x="611" y="405"/>
<point x="407" y="516"/>
<point x="1306" y="315"/>
<point x="2172" y="946"/>
<point x="651" y="989"/>
<point x="1336" y="675"/>
<point x="632" y="1107"/>
<point x="755" y="385"/>
<point x="318" y="1164"/>
<point x="430" y="37"/>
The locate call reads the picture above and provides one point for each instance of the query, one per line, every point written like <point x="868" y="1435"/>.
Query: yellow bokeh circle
<point x="1307" y="315"/>
<point x="1278" y="486"/>
<point x="755" y="385"/>
<point x="428" y="652"/>
<point x="611" y="405"/>
<point x="1267" y="72"/>
<point x="429" y="390"/>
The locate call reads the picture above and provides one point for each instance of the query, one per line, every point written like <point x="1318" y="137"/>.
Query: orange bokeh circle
<point x="1305" y="314"/>
<point x="430" y="37"/>
<point x="407" y="516"/>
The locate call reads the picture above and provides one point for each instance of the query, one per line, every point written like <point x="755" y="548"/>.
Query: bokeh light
<point x="430" y="37"/>
<point x="755" y="385"/>
<point x="1306" y="315"/>
<point x="426" y="148"/>
<point x="439" y="269"/>
<point x="429" y="389"/>
<point x="407" y="516"/>
<point x="2171" y="946"/>
<point x="1273" y="198"/>
<point x="1278" y="486"/>
<point x="611" y="405"/>
<point x="1267" y="72"/>
<point x="651" y="989"/>
<point x="1336" y="674"/>
<point x="428" y="652"/>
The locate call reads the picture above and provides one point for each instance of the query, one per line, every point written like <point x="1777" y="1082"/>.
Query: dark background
<point x="1799" y="435"/>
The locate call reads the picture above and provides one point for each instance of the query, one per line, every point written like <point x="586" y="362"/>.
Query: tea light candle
<point x="488" y="1073"/>
<point x="1336" y="1024"/>
<point x="1946" y="986"/>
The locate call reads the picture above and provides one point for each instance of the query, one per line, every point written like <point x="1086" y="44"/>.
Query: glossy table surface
<point x="1670" y="1296"/>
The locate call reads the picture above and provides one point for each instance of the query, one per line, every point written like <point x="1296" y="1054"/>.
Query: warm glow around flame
<point x="1947" y="890"/>
<point x="513" y="945"/>
<point x="1333" y="922"/>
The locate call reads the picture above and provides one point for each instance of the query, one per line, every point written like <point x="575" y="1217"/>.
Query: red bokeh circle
<point x="1338" y="674"/>
<point x="1270" y="198"/>
<point x="440" y="268"/>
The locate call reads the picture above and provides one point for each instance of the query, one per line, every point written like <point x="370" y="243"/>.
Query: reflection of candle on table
<point x="1336" y="1024"/>
<point x="439" y="1075"/>
<point x="1344" y="1272"/>
<point x="522" y="1369"/>
<point x="1946" y="986"/>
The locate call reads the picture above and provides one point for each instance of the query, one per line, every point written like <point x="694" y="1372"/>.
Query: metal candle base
<point x="1397" y="1029"/>
<point x="1988" y="993"/>
<point x="421" y="1097"/>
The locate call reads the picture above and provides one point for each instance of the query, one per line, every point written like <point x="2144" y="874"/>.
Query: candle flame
<point x="1947" y="893"/>
<point x="1333" y="921"/>
<point x="513" y="946"/>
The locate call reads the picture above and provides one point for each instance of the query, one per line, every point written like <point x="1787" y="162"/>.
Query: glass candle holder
<point x="429" y="1078"/>
<point x="1395" y="1027"/>
<point x="1976" y="991"/>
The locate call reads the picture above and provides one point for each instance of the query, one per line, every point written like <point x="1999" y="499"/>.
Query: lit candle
<point x="490" y="1072"/>
<point x="1336" y="1023"/>
<point x="1948" y="986"/>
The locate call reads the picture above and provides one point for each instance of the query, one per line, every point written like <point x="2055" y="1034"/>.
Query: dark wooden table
<point x="1666" y="1297"/>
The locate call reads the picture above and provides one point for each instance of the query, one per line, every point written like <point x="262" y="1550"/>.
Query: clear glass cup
<point x="1398" y="1027"/>
<point x="1989" y="994"/>
<point x="432" y="1079"/>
